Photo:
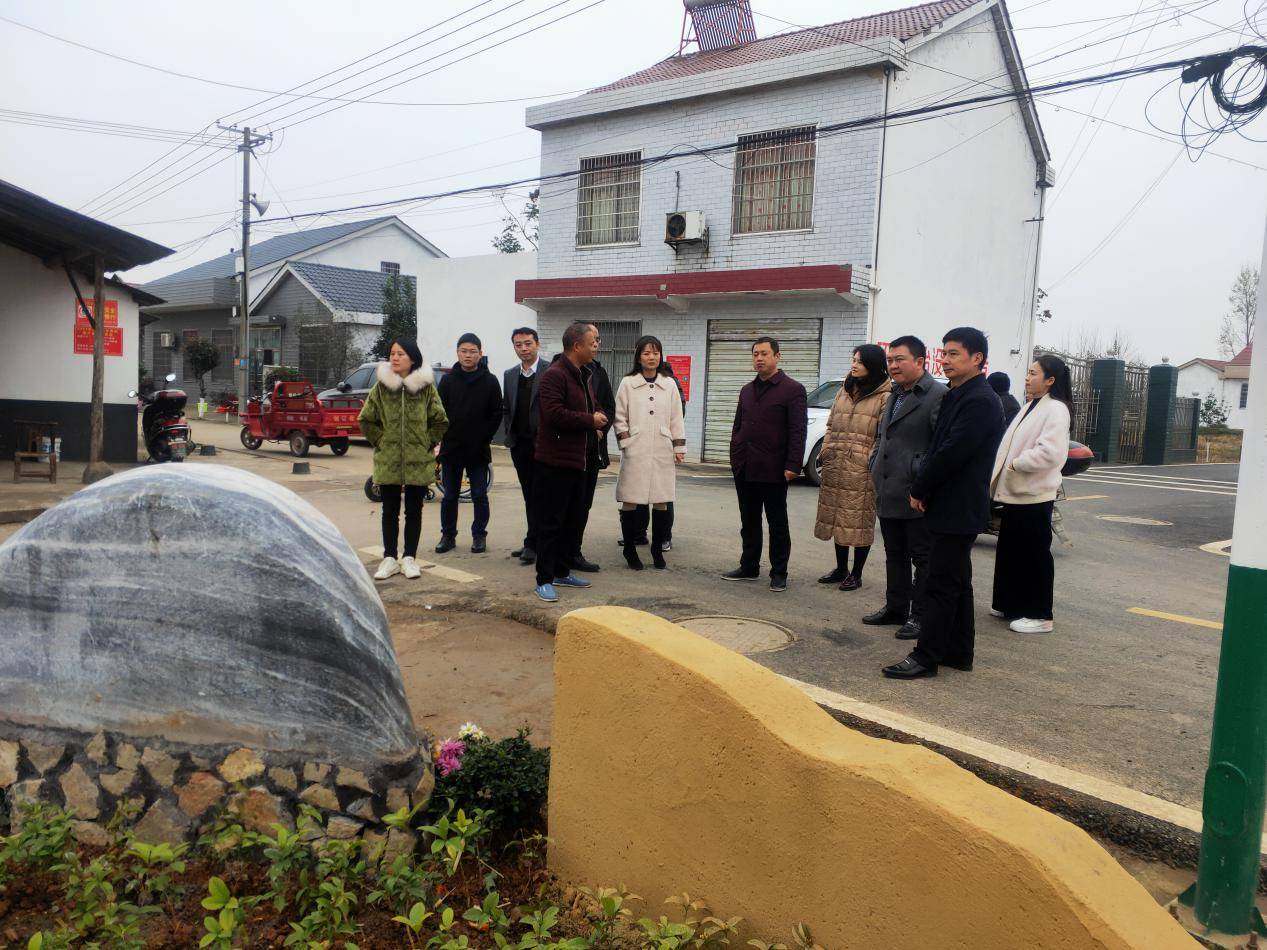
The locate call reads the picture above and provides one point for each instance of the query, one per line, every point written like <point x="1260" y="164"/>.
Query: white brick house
<point x="823" y="240"/>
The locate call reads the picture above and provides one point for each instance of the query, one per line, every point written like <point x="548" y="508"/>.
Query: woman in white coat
<point x="652" y="440"/>
<point x="1026" y="479"/>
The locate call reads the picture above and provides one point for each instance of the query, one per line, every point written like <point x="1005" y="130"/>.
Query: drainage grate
<point x="742" y="634"/>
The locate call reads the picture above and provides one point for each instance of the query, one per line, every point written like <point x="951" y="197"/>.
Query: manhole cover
<point x="741" y="634"/>
<point x="1131" y="519"/>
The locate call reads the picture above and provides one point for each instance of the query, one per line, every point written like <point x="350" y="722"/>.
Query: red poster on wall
<point x="682" y="370"/>
<point x="83" y="329"/>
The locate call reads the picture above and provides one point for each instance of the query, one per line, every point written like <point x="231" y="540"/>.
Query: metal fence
<point x="1134" y="414"/>
<point x="1183" y="429"/>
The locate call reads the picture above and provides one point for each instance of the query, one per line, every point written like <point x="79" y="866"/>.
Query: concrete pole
<point x="244" y="333"/>
<point x="1236" y="780"/>
<point x="97" y="469"/>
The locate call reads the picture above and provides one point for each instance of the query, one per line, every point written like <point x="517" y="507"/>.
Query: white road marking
<point x="1218" y="547"/>
<point x="439" y="570"/>
<point x="1096" y="479"/>
<point x="1017" y="761"/>
<point x="1153" y="476"/>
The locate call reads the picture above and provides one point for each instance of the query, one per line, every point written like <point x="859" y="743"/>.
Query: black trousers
<point x="754" y="497"/>
<point x="391" y="517"/>
<point x="522" y="454"/>
<point x="591" y="484"/>
<point x="558" y="506"/>
<point x="948" y="630"/>
<point x="906" y="543"/>
<point x="1024" y="572"/>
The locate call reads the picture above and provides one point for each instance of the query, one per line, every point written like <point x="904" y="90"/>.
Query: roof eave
<point x="840" y="58"/>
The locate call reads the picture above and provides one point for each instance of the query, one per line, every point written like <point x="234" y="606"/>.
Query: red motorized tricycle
<point x="293" y="413"/>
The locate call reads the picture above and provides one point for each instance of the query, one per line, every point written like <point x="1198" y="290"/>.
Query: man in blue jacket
<point x="952" y="489"/>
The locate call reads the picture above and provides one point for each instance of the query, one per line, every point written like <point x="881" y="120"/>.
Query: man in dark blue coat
<point x="952" y="489"/>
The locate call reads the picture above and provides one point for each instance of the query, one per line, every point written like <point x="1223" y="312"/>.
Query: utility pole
<point x="97" y="469"/>
<point x="1221" y="903"/>
<point x="244" y="297"/>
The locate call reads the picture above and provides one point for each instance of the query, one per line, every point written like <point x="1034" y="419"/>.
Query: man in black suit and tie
<point x="519" y="409"/>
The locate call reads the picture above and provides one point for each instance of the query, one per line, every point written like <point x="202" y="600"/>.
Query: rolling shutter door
<point x="730" y="369"/>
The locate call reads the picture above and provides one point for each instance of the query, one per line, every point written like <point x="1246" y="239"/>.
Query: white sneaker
<point x="409" y="567"/>
<point x="385" y="570"/>
<point x="1025" y="625"/>
<point x="995" y="613"/>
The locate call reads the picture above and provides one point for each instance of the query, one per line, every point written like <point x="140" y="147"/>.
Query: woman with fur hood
<point x="404" y="420"/>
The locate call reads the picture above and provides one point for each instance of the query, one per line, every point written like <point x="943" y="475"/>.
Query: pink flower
<point x="450" y="756"/>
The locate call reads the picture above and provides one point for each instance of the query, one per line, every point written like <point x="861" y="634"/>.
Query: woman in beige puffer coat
<point x="846" y="500"/>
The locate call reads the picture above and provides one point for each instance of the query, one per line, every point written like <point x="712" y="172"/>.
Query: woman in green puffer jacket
<point x="404" y="420"/>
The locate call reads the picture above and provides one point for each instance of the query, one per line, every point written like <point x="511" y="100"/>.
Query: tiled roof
<point x="343" y="288"/>
<point x="1242" y="358"/>
<point x="1213" y="364"/>
<point x="268" y="252"/>
<point x="902" y="24"/>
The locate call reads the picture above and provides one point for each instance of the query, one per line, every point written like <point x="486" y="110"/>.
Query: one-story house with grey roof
<point x="202" y="300"/>
<point x="328" y="316"/>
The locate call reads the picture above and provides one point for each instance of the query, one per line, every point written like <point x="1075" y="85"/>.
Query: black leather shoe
<point x="582" y="563"/>
<point x="908" y="631"/>
<point x="833" y="577"/>
<point x="964" y="665"/>
<point x="884" y="616"/>
<point x="478" y="546"/>
<point x="778" y="584"/>
<point x="527" y="556"/>
<point x="446" y="544"/>
<point x="518" y="552"/>
<point x="908" y="669"/>
<point x="739" y="574"/>
<point x="850" y="583"/>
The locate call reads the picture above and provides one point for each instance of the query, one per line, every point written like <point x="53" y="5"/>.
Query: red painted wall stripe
<point x="835" y="277"/>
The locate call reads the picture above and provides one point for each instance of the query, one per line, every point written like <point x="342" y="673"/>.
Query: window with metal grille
<point x="187" y="370"/>
<point x="162" y="360"/>
<point x="389" y="267"/>
<point x="608" y="199"/>
<point x="1244" y="395"/>
<point x="774" y="181"/>
<point x="223" y="339"/>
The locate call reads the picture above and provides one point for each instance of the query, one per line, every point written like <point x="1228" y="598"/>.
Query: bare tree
<point x="1089" y="344"/>
<point x="1237" y="329"/>
<point x="519" y="229"/>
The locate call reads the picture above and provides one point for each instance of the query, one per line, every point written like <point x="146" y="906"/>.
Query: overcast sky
<point x="1163" y="278"/>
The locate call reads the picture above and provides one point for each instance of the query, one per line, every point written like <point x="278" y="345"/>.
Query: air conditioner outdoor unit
<point x="684" y="227"/>
<point x="167" y="340"/>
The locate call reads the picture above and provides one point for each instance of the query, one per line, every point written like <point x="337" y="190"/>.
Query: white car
<point x="818" y="407"/>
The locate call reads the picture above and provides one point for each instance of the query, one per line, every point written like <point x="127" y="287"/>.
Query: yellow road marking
<point x="1177" y="618"/>
<point x="1084" y="497"/>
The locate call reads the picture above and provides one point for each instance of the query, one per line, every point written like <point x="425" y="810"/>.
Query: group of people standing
<point x="928" y="459"/>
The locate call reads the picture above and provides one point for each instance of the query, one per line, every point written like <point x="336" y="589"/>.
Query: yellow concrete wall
<point x="677" y="765"/>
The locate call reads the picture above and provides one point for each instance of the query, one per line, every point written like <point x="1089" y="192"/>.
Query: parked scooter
<point x="163" y="424"/>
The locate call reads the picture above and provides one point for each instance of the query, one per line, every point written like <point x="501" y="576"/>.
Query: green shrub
<point x="510" y="777"/>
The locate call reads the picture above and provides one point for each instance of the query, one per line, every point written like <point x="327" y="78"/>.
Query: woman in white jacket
<point x="652" y="440"/>
<point x="1026" y="479"/>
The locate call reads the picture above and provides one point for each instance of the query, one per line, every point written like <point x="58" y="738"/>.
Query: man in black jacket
<point x="522" y="416"/>
<point x="473" y="401"/>
<point x="952" y="489"/>
<point x="598" y="460"/>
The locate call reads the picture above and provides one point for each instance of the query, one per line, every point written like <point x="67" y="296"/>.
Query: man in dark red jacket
<point x="767" y="445"/>
<point x="566" y="436"/>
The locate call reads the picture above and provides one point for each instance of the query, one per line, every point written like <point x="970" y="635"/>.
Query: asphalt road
<point x="1113" y="692"/>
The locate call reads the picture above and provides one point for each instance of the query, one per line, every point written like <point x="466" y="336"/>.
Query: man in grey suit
<point x="906" y="429"/>
<point x="519" y="410"/>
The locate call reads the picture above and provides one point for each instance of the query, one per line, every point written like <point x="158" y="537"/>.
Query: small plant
<point x="287" y="854"/>
<point x="510" y="777"/>
<point x="45" y="836"/>
<point x="202" y="355"/>
<point x="412" y="921"/>
<point x="402" y="884"/>
<point x="119" y="827"/>
<point x="93" y="911"/>
<point x="802" y="939"/>
<point x="609" y="909"/>
<point x="227" y="924"/>
<point x="453" y="839"/>
<point x="445" y="939"/>
<point x="488" y="916"/>
<point x="151" y="868"/>
<point x="332" y="916"/>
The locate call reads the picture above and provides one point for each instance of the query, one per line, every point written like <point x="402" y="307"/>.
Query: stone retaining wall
<point x="180" y="790"/>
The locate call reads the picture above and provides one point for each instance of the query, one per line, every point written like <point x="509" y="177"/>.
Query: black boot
<point x="627" y="532"/>
<point x="659" y="529"/>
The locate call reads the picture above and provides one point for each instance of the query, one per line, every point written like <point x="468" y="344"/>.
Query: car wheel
<point x="372" y="491"/>
<point x="339" y="446"/>
<point x="299" y="444"/>
<point x="161" y="450"/>
<point x="250" y="441"/>
<point x="813" y="467"/>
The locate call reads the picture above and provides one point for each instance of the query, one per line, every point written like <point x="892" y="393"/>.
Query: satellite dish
<point x="259" y="206"/>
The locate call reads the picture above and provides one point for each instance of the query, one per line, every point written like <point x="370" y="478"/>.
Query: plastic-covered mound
<point x="200" y="604"/>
